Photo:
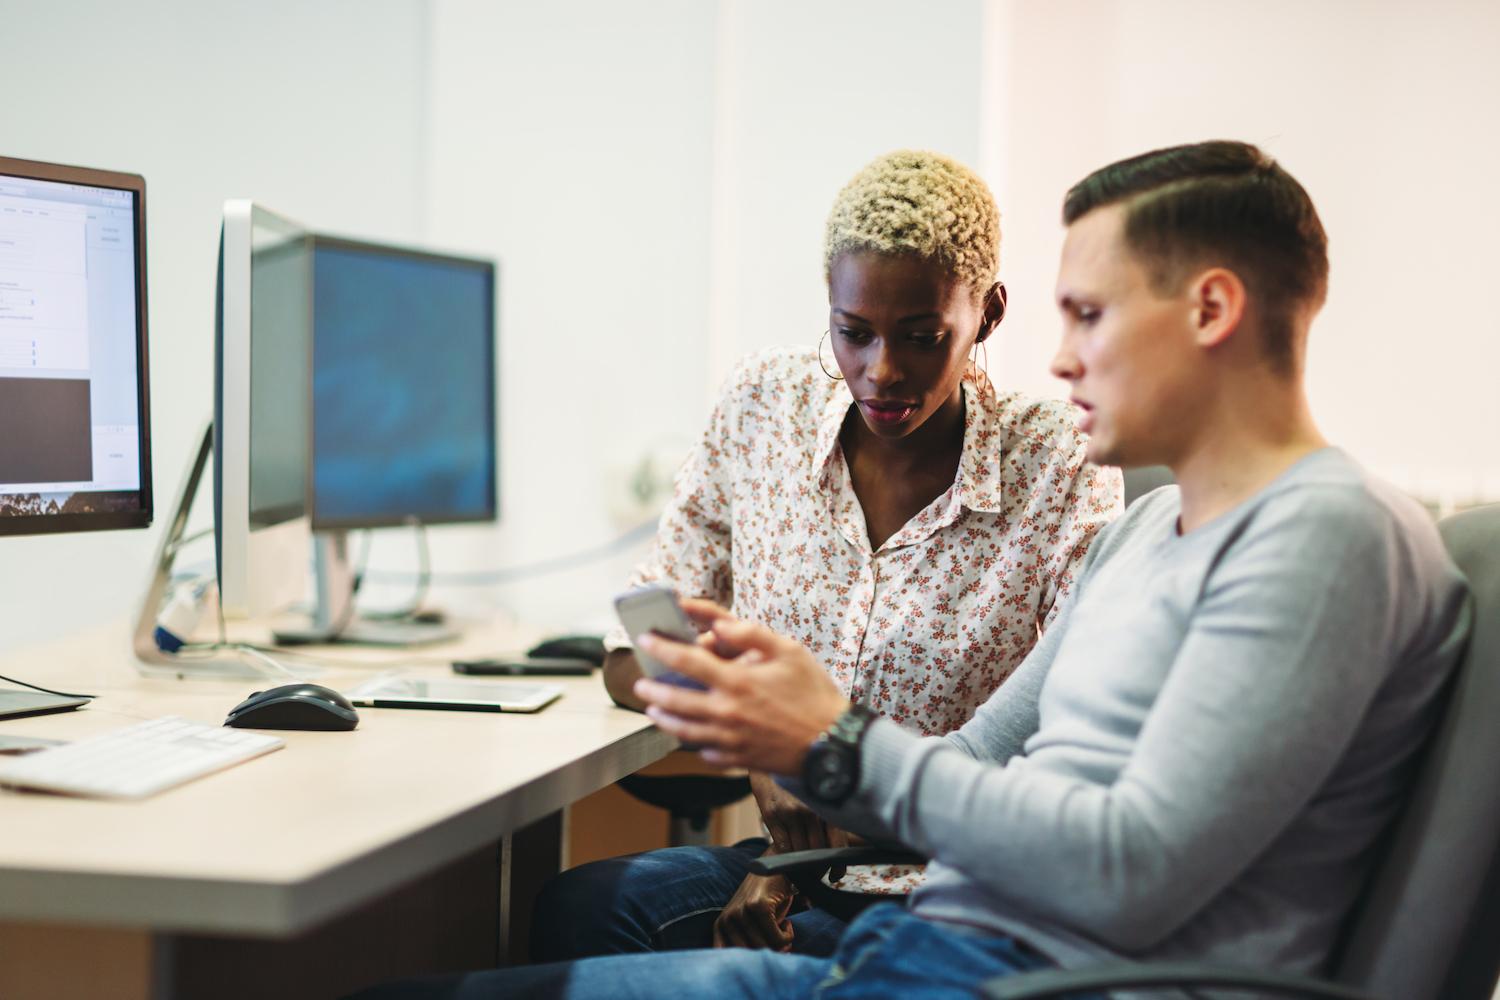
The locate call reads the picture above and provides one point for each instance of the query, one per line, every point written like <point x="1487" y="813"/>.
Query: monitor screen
<point x="74" y="452"/>
<point x="403" y="387"/>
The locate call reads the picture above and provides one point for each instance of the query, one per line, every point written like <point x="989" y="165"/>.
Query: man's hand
<point x="767" y="698"/>
<point x="757" y="915"/>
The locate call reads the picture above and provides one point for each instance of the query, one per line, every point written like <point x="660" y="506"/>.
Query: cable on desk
<point x="38" y="687"/>
<point x="424" y="577"/>
<point x="256" y="653"/>
<point x="247" y="650"/>
<point x="202" y="652"/>
<point x="187" y="540"/>
<point x="488" y="578"/>
<point x="318" y="658"/>
<point x="349" y="612"/>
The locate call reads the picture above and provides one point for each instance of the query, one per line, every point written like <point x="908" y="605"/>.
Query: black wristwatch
<point x="830" y="771"/>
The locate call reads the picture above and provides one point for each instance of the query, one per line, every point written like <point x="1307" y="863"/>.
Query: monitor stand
<point x="334" y="618"/>
<point x="150" y="658"/>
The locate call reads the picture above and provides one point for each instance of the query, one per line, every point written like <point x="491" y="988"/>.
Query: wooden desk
<point x="353" y="857"/>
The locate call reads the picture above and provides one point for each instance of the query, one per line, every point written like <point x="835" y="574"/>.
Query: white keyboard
<point x="136" y="761"/>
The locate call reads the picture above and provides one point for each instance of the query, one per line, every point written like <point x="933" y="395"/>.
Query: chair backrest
<point x="1429" y="926"/>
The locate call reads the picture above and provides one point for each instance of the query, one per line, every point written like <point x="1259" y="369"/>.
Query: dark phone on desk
<point x="531" y="666"/>
<point x="656" y="609"/>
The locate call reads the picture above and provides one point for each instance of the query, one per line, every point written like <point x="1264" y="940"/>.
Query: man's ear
<point x="1217" y="297"/>
<point x="994" y="311"/>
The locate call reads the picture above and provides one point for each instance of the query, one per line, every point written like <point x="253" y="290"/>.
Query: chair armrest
<point x="825" y="858"/>
<point x="1066" y="982"/>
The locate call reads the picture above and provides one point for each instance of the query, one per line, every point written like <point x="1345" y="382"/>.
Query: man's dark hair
<point x="1219" y="204"/>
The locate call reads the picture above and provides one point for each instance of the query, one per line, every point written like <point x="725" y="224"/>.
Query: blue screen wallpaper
<point x="403" y="388"/>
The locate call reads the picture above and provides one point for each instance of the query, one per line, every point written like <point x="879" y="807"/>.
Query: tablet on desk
<point x="19" y="703"/>
<point x="454" y="695"/>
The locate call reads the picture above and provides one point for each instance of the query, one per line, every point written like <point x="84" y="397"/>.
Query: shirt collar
<point x="979" y="469"/>
<point x="829" y="426"/>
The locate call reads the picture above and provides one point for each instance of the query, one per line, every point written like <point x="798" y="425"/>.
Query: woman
<point x="891" y="511"/>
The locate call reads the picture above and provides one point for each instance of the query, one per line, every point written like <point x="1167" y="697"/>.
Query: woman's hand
<point x="621" y="671"/>
<point x="767" y="698"/>
<point x="791" y="825"/>
<point x="756" y="916"/>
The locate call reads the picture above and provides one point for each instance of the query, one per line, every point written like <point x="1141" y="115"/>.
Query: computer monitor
<point x="75" y="451"/>
<point x="403" y="417"/>
<point x="263" y="351"/>
<point x="403" y="407"/>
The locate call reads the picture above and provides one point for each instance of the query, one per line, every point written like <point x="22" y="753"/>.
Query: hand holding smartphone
<point x="655" y="608"/>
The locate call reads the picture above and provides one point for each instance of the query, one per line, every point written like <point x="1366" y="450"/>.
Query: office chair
<point x="1142" y="480"/>
<point x="1427" y="925"/>
<point x="807" y="868"/>
<point x="689" y="800"/>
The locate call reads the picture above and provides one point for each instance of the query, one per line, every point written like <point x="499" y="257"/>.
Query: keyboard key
<point x="138" y="760"/>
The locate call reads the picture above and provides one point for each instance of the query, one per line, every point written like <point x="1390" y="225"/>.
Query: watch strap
<point x="849" y="728"/>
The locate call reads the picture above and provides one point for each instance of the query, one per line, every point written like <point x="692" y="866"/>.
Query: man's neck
<point x="1241" y="450"/>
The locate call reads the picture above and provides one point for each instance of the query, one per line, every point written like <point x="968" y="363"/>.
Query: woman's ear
<point x="994" y="311"/>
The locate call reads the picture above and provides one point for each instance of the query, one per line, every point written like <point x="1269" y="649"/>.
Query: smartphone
<point x="656" y="609"/>
<point x="527" y="666"/>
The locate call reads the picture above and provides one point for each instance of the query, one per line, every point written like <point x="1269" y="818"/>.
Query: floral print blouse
<point x="764" y="520"/>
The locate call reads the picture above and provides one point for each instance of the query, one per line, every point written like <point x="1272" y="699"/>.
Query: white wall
<point x="314" y="108"/>
<point x="639" y="156"/>
<point x="653" y="177"/>
<point x="809" y="93"/>
<point x="571" y="141"/>
<point x="1385" y="110"/>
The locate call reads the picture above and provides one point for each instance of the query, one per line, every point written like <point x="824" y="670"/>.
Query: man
<point x="1195" y="761"/>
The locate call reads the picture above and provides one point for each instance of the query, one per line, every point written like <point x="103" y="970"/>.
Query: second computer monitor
<point x="403" y="400"/>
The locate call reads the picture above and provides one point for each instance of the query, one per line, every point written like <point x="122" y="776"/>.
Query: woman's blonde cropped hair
<point x="923" y="204"/>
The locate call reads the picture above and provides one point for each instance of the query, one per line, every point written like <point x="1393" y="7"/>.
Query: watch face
<point x="828" y="774"/>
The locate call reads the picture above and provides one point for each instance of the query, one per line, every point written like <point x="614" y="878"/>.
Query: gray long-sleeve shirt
<point x="1198" y="758"/>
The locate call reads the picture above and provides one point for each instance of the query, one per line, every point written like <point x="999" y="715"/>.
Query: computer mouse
<point x="294" y="706"/>
<point x="571" y="647"/>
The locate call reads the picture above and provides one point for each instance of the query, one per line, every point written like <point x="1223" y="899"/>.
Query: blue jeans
<point x="663" y="900"/>
<point x="886" y="952"/>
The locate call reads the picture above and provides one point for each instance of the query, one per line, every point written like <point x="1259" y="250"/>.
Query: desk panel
<point x="334" y="832"/>
<point x="278" y="844"/>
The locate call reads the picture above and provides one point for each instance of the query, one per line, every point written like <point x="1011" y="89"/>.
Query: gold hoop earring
<point x="831" y="375"/>
<point x="981" y="375"/>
